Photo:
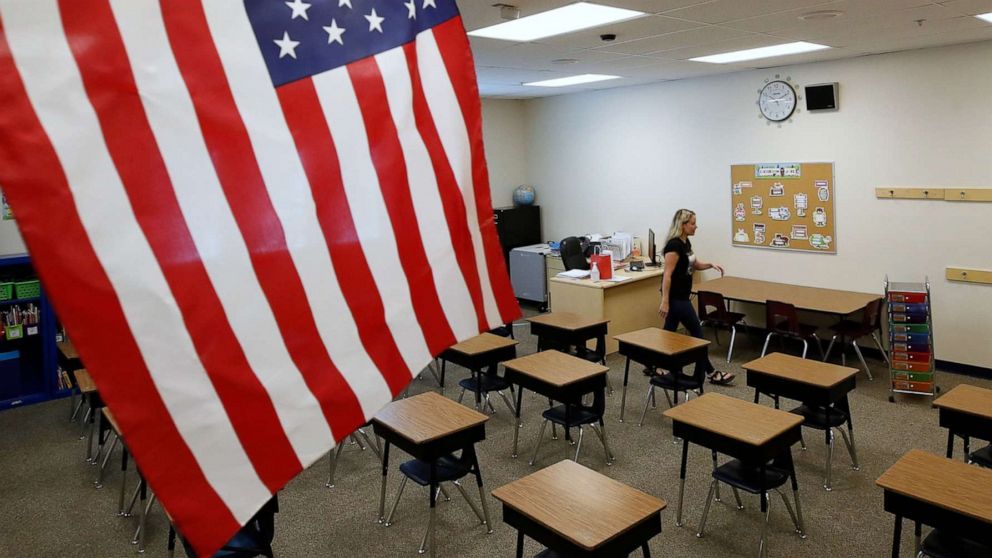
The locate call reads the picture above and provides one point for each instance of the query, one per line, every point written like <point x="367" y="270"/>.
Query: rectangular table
<point x="656" y="347"/>
<point x="965" y="411"/>
<point x="628" y="305"/>
<point x="936" y="491"/>
<point x="575" y="511"/>
<point x="811" y="299"/>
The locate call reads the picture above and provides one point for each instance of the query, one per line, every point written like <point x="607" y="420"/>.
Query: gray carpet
<point x="49" y="506"/>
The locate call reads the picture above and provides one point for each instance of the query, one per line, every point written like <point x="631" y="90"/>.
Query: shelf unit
<point x="32" y="375"/>
<point x="911" y="352"/>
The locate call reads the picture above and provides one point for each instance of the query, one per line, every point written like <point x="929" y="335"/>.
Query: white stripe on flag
<point x="292" y="198"/>
<point x="45" y="62"/>
<point x="451" y="288"/>
<point x="451" y="128"/>
<point x="213" y="228"/>
<point x="375" y="231"/>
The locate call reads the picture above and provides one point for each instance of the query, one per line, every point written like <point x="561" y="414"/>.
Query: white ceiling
<point x="657" y="47"/>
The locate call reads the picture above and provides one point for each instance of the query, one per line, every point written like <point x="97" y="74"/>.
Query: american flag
<point x="258" y="220"/>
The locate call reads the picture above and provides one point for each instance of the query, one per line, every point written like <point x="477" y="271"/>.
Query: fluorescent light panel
<point x="571" y="80"/>
<point x="763" y="52"/>
<point x="987" y="17"/>
<point x="574" y="17"/>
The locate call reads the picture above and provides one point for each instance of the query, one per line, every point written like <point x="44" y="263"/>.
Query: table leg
<point x="482" y="492"/>
<point x="520" y="544"/>
<point x="433" y="495"/>
<point x="623" y="396"/>
<point x="950" y="443"/>
<point x="645" y="550"/>
<point x="967" y="447"/>
<point x="896" y="536"/>
<point x="757" y="395"/>
<point x="477" y="374"/>
<point x="382" y="490"/>
<point x="917" y="533"/>
<point x="685" y="458"/>
<point x="516" y="431"/>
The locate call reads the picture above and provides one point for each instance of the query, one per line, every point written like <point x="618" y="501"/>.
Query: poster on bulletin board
<point x="783" y="206"/>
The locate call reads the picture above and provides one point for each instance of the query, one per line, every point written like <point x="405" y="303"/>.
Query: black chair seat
<point x="586" y="354"/>
<point x="805" y="330"/>
<point x="727" y="319"/>
<point x="489" y="382"/>
<point x="502" y="331"/>
<point x="449" y="468"/>
<point x="816" y="417"/>
<point x="748" y="478"/>
<point x="851" y="328"/>
<point x="577" y="415"/>
<point x="982" y="457"/>
<point x="943" y="545"/>
<point x="676" y="381"/>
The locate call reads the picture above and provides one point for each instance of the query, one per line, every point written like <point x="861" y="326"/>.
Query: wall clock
<point x="777" y="100"/>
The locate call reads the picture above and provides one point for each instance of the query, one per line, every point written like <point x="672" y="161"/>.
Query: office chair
<point x="850" y="331"/>
<point x="571" y="254"/>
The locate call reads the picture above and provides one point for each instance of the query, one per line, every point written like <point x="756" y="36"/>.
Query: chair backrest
<point x="253" y="539"/>
<point x="781" y="317"/>
<point x="872" y="316"/>
<point x="711" y="305"/>
<point x="571" y="254"/>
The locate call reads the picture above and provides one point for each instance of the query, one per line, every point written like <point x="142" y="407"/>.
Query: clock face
<point x="777" y="101"/>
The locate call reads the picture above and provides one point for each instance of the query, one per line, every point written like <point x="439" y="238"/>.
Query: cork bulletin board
<point x="783" y="206"/>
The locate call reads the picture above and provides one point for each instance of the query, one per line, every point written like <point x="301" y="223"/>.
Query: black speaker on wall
<point x="822" y="96"/>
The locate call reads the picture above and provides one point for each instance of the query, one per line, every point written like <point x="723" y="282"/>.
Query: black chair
<point x="939" y="544"/>
<point x="713" y="312"/>
<point x="850" y="331"/>
<point x="756" y="480"/>
<point x="571" y="254"/>
<point x="356" y="438"/>
<point x="578" y="416"/>
<point x="782" y="319"/>
<point x="827" y="419"/>
<point x="674" y="381"/>
<point x="982" y="457"/>
<point x="253" y="539"/>
<point x="505" y="330"/>
<point x="484" y="382"/>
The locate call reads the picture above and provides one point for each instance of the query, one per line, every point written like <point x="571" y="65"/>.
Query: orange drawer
<point x="918" y="387"/>
<point x="911" y="298"/>
<point x="910" y="357"/>
<point x="912" y="366"/>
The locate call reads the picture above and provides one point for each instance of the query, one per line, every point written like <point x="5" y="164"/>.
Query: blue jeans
<point x="681" y="311"/>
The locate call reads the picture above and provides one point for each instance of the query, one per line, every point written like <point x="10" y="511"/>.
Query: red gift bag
<point x="604" y="262"/>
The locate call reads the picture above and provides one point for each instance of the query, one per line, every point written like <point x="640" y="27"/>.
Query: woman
<point x="676" y="286"/>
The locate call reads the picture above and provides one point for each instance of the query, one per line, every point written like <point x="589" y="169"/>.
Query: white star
<point x="299" y="8"/>
<point x="413" y="9"/>
<point x="375" y="22"/>
<point x="344" y="3"/>
<point x="429" y="3"/>
<point x="286" y="45"/>
<point x="334" y="33"/>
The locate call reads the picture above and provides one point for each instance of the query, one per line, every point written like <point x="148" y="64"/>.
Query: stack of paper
<point x="574" y="274"/>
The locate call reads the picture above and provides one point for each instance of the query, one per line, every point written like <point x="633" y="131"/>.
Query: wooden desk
<point x="812" y="299"/>
<point x="555" y="375"/>
<point x="578" y="512"/>
<point x="965" y="411"/>
<point x="627" y="306"/>
<point x="810" y="381"/>
<point x="656" y="347"/>
<point x="482" y="351"/>
<point x="428" y="426"/>
<point x="748" y="432"/>
<point x="936" y="491"/>
<point x="562" y="330"/>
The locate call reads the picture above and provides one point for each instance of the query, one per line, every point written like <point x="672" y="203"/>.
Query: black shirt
<point x="681" y="286"/>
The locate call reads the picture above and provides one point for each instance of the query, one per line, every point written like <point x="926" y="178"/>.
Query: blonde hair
<point x="679" y="220"/>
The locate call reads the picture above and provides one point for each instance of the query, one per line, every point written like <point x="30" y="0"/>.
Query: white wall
<point x="628" y="158"/>
<point x="10" y="239"/>
<point x="503" y="131"/>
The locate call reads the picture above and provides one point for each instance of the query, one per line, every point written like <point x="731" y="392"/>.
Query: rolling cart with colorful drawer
<point x="911" y="354"/>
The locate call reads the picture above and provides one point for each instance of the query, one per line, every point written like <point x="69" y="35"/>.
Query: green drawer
<point x="914" y="376"/>
<point x="910" y="328"/>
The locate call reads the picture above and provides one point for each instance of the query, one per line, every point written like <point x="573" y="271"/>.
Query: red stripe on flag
<point x="99" y="52"/>
<point x="234" y="159"/>
<point x="319" y="156"/>
<point x="457" y="55"/>
<point x="35" y="184"/>
<point x="390" y="166"/>
<point x="451" y="196"/>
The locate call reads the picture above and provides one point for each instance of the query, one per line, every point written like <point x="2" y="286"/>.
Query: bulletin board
<point x="783" y="206"/>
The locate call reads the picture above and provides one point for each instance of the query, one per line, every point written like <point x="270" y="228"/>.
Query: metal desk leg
<point x="382" y="491"/>
<point x="520" y="544"/>
<point x="896" y="535"/>
<point x="685" y="457"/>
<point x="434" y="487"/>
<point x="516" y="431"/>
<point x="950" y="443"/>
<point x="623" y="396"/>
<point x="645" y="550"/>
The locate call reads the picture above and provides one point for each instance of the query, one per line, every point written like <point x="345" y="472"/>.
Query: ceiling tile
<point x="969" y="7"/>
<point x="626" y="31"/>
<point x="679" y="39"/>
<point x="720" y="11"/>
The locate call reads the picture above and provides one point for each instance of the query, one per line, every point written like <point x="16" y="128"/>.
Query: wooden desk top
<point x="581" y="505"/>
<point x="555" y="368"/>
<point x="635" y="276"/>
<point x="964" y="398"/>
<point x="426" y="417"/>
<point x="734" y="418"/>
<point x="806" y="298"/>
<point x="812" y="372"/>
<point x="67" y="349"/>
<point x="661" y="341"/>
<point x="945" y="483"/>
<point x="482" y="344"/>
<point x="567" y="320"/>
<point x="85" y="381"/>
<point x="112" y="420"/>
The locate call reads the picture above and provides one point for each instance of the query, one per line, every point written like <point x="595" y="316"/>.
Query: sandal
<point x="650" y="371"/>
<point x="720" y="378"/>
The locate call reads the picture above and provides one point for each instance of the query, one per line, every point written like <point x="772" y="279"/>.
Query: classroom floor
<point x="49" y="506"/>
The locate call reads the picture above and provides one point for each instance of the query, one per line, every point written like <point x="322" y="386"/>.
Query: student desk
<point x="627" y="305"/>
<point x="87" y="390"/>
<point x="476" y="353"/>
<point x="936" y="491"/>
<point x="751" y="433"/>
<point x="812" y="299"/>
<point x="967" y="412"/>
<point x="659" y="348"/>
<point x="555" y="375"/>
<point x="809" y="381"/>
<point x="561" y="330"/>
<point x="68" y="360"/>
<point x="575" y="511"/>
<point x="427" y="426"/>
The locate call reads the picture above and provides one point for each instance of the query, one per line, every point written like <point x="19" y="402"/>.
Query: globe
<point x="523" y="195"/>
